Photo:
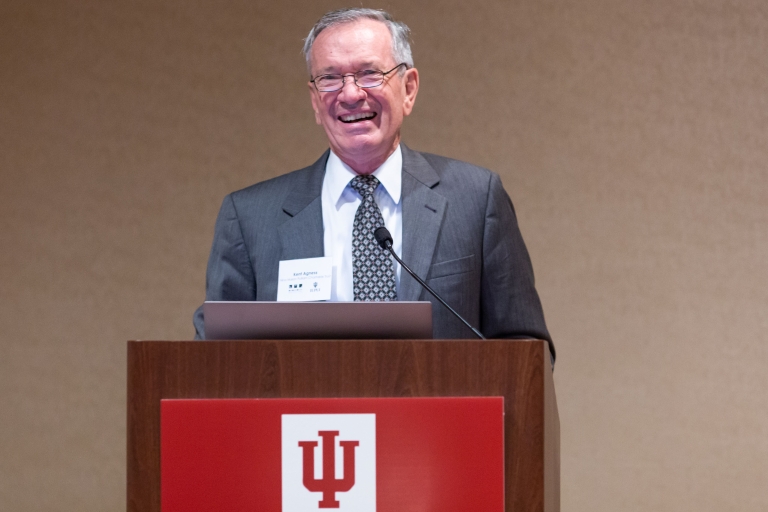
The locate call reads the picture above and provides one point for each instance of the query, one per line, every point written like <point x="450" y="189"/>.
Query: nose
<point x="350" y="93"/>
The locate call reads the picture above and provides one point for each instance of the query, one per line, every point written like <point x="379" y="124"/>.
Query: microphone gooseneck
<point x="384" y="238"/>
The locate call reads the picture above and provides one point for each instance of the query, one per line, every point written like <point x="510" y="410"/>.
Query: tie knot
<point x="364" y="184"/>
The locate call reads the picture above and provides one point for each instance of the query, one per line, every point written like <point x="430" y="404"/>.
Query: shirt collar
<point x="338" y="175"/>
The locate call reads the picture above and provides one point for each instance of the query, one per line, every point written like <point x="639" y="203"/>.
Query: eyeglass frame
<point x="354" y="78"/>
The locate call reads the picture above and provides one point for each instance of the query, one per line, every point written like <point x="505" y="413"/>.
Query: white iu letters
<point x="329" y="462"/>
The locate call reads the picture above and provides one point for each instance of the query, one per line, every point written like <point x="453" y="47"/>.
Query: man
<point x="452" y="222"/>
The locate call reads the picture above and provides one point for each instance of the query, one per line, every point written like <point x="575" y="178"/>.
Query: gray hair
<point x="401" y="45"/>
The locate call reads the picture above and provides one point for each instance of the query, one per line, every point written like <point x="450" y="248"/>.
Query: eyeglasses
<point x="365" y="79"/>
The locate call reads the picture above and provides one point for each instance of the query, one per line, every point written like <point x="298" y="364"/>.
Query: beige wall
<point x="631" y="135"/>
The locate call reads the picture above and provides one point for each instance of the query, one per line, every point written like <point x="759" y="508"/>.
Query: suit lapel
<point x="301" y="235"/>
<point x="423" y="213"/>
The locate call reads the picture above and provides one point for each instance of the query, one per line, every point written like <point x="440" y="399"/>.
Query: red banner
<point x="345" y="454"/>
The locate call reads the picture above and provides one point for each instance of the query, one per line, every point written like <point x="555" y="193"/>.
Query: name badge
<point x="304" y="280"/>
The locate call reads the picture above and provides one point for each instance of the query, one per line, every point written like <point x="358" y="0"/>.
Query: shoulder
<point x="451" y="173"/>
<point x="444" y="165"/>
<point x="275" y="190"/>
<point x="282" y="183"/>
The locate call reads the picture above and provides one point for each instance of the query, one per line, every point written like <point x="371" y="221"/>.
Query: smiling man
<point x="360" y="107"/>
<point x="452" y="222"/>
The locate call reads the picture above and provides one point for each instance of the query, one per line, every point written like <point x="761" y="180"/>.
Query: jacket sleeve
<point x="230" y="273"/>
<point x="510" y="304"/>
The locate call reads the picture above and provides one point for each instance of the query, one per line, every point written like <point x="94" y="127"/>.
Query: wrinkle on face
<point x="362" y="125"/>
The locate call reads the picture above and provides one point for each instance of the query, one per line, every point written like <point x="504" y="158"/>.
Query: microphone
<point x="385" y="241"/>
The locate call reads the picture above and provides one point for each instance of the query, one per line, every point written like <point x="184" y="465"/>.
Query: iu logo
<point x="329" y="485"/>
<point x="329" y="462"/>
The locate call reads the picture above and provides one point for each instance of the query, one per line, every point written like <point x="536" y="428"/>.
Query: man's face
<point x="362" y="125"/>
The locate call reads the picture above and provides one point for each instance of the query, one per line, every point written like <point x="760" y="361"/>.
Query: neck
<point x="366" y="163"/>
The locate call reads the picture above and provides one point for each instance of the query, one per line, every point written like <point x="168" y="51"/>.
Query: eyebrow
<point x="330" y="70"/>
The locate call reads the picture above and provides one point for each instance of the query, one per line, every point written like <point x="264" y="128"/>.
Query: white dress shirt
<point x="340" y="204"/>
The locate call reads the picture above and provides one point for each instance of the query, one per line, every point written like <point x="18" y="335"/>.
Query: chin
<point x="361" y="144"/>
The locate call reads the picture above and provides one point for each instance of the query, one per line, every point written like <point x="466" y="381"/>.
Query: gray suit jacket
<point x="459" y="233"/>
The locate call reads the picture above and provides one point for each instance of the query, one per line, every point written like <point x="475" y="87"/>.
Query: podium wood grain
<point x="518" y="370"/>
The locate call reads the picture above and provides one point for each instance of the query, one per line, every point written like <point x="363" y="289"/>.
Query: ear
<point x="411" y="85"/>
<point x="316" y="105"/>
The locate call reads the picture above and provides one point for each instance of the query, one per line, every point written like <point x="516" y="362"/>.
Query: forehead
<point x="351" y="45"/>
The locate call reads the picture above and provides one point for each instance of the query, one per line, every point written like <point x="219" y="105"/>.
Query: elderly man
<point x="452" y="222"/>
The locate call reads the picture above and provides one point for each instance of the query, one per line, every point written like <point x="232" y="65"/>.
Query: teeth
<point x="356" y="117"/>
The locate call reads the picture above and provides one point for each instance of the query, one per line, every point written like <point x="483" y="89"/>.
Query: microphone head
<point x="383" y="237"/>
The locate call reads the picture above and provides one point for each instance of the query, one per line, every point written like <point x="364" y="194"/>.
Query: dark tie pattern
<point x="373" y="272"/>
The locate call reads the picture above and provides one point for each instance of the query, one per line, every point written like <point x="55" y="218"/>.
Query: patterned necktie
<point x="373" y="272"/>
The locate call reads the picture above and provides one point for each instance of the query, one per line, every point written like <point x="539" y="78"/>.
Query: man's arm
<point x="230" y="272"/>
<point x="510" y="304"/>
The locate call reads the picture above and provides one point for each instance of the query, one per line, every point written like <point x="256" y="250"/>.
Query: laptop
<point x="317" y="320"/>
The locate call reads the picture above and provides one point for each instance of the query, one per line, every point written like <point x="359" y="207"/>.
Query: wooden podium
<point x="518" y="370"/>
